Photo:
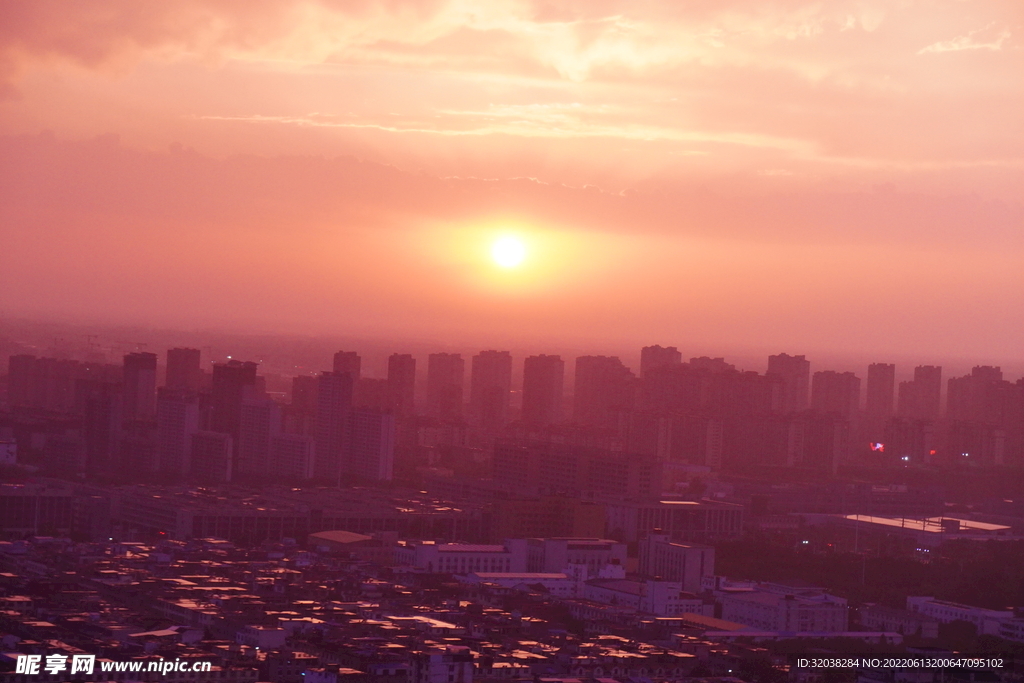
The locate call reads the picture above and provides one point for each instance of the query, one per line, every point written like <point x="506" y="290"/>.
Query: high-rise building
<point x="490" y="388"/>
<point x="348" y="361"/>
<point x="880" y="391"/>
<point x="183" y="369"/>
<point x="20" y="371"/>
<point x="370" y="392"/>
<point x="836" y="392"/>
<point x="370" y="448"/>
<point x="543" y="384"/>
<point x="445" y="378"/>
<point x="534" y="467"/>
<point x="292" y="457"/>
<point x="211" y="457"/>
<point x="304" y="393"/>
<point x="233" y="382"/>
<point x="981" y="397"/>
<point x="652" y="357"/>
<point x="177" y="419"/>
<point x="401" y="383"/>
<point x="795" y="373"/>
<point x="334" y="402"/>
<point x="46" y="383"/>
<point x="683" y="562"/>
<point x="139" y="386"/>
<point x="100" y="404"/>
<point x="921" y="398"/>
<point x="260" y="423"/>
<point x="603" y="387"/>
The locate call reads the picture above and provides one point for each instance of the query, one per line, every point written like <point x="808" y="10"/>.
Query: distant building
<point x="902" y="621"/>
<point x="910" y="440"/>
<point x="547" y="516"/>
<point x="652" y="357"/>
<point x="334" y="402"/>
<point x="880" y="391"/>
<point x="837" y="393"/>
<point x="139" y="386"/>
<point x="304" y="393"/>
<point x="184" y="370"/>
<point x="177" y="419"/>
<point x="686" y="563"/>
<point x="490" y="388"/>
<point x="445" y="377"/>
<point x="795" y="374"/>
<point x="8" y="452"/>
<point x="661" y="598"/>
<point x="463" y="558"/>
<point x="233" y="382"/>
<point x="100" y="404"/>
<point x="557" y="554"/>
<point x="260" y="422"/>
<point x="540" y="468"/>
<point x="984" y="398"/>
<point x="292" y="457"/>
<point x="987" y="621"/>
<point x="377" y="549"/>
<point x="453" y="664"/>
<point x="369" y="451"/>
<point x="402" y="383"/>
<point x="211" y="460"/>
<point x="680" y="520"/>
<point x="921" y="398"/>
<point x="786" y="612"/>
<point x="543" y="384"/>
<point x="558" y="584"/>
<point x="603" y="388"/>
<point x="348" y="362"/>
<point x="927" y="533"/>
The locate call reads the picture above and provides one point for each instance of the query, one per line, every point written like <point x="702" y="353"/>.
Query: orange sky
<point x="786" y="176"/>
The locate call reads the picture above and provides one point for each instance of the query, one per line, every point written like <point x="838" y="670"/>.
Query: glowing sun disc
<point x="508" y="252"/>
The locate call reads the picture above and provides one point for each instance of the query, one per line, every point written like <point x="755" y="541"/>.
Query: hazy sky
<point x="788" y="176"/>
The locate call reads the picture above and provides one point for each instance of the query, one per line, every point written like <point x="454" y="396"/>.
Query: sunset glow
<point x="766" y="164"/>
<point x="508" y="252"/>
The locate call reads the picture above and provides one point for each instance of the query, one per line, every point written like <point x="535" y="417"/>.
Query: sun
<point x="508" y="252"/>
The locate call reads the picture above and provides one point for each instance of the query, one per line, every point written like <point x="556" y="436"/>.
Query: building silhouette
<point x="402" y="384"/>
<point x="348" y="361"/>
<point x="836" y="392"/>
<point x="795" y="374"/>
<point x="445" y="377"/>
<point x="139" y="386"/>
<point x="921" y="397"/>
<point x="490" y="388"/>
<point x="543" y="387"/>
<point x="232" y="382"/>
<point x="652" y="357"/>
<point x="183" y="369"/>
<point x="260" y="423"/>
<point x="334" y="402"/>
<point x="880" y="392"/>
<point x="603" y="387"/>
<point x="177" y="419"/>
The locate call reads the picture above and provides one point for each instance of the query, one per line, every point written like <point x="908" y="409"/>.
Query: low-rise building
<point x="987" y="621"/>
<point x="785" y="612"/>
<point x="683" y="562"/>
<point x="463" y="558"/>
<point x="903" y="621"/>
<point x="556" y="554"/>
<point x="663" y="598"/>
